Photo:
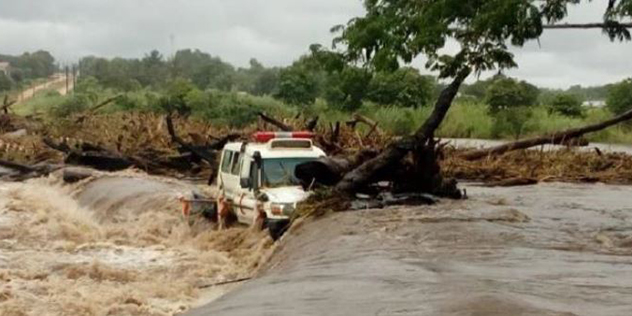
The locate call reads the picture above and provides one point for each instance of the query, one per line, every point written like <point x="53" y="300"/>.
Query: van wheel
<point x="277" y="228"/>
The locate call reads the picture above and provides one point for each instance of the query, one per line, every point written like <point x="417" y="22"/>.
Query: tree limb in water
<point x="556" y="138"/>
<point x="16" y="166"/>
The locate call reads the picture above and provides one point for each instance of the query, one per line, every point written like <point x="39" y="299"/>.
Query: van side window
<point x="236" y="163"/>
<point x="226" y="161"/>
<point x="253" y="174"/>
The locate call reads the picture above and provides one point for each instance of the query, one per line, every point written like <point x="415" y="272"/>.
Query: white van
<point x="257" y="179"/>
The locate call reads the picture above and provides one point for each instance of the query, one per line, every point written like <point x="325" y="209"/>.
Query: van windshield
<point x="278" y="172"/>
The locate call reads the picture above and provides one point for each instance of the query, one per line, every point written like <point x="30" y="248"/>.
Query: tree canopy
<point x="506" y="93"/>
<point x="394" y="31"/>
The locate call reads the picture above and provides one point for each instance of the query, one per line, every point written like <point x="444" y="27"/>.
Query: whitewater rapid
<point x="113" y="245"/>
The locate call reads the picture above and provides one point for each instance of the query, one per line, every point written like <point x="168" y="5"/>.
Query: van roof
<point x="268" y="152"/>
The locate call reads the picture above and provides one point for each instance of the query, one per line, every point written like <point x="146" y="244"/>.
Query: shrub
<point x="567" y="105"/>
<point x="71" y="105"/>
<point x="507" y="93"/>
<point x="620" y="97"/>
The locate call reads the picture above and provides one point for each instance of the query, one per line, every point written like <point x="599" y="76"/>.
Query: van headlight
<point x="282" y="209"/>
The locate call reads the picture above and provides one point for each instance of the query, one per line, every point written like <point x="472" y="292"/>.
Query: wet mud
<point x="548" y="249"/>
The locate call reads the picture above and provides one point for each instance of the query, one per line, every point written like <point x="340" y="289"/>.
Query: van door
<point x="229" y="174"/>
<point x="247" y="199"/>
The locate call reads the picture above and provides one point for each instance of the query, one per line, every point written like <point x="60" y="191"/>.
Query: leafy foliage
<point x="39" y="64"/>
<point x="5" y="83"/>
<point x="297" y="86"/>
<point x="505" y="93"/>
<point x="620" y="97"/>
<point x="394" y="31"/>
<point x="567" y="104"/>
<point x="404" y="87"/>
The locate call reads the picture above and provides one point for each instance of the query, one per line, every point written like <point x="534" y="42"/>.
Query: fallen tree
<point x="426" y="176"/>
<point x="483" y="33"/>
<point x="22" y="172"/>
<point x="556" y="138"/>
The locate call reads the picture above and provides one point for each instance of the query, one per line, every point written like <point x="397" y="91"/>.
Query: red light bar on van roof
<point x="264" y="137"/>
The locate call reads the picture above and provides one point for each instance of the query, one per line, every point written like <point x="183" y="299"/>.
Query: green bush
<point x="71" y="105"/>
<point x="620" y="97"/>
<point x="233" y="109"/>
<point x="567" y="105"/>
<point x="507" y="93"/>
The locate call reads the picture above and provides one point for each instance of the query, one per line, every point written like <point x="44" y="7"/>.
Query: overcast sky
<point x="273" y="31"/>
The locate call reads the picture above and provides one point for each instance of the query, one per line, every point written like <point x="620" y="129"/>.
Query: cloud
<point x="274" y="31"/>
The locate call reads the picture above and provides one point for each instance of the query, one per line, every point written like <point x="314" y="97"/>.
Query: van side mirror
<point x="245" y="183"/>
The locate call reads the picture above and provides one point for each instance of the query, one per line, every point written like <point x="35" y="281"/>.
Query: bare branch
<point x="587" y="25"/>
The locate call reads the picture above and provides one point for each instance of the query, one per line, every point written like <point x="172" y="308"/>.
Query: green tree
<point x="396" y="31"/>
<point x="5" y="82"/>
<point x="403" y="87"/>
<point x="297" y="86"/>
<point x="266" y="82"/>
<point x="177" y="94"/>
<point x="154" y="71"/>
<point x="347" y="88"/>
<point x="620" y="97"/>
<point x="509" y="93"/>
<point x="567" y="104"/>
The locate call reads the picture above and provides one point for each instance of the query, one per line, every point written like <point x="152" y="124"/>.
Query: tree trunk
<point x="329" y="171"/>
<point x="556" y="138"/>
<point x="366" y="173"/>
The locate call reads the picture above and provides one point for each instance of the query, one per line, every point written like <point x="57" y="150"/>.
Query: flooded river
<point x="115" y="245"/>
<point x="550" y="249"/>
<point x="118" y="245"/>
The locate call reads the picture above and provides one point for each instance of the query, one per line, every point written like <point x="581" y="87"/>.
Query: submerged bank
<point x="550" y="249"/>
<point x="113" y="245"/>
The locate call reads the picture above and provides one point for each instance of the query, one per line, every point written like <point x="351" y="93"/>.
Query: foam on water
<point x="113" y="245"/>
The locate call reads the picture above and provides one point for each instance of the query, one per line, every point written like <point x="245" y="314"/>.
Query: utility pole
<point x="74" y="77"/>
<point x="67" y="72"/>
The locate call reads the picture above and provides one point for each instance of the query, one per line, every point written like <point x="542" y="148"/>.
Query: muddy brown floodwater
<point x="550" y="249"/>
<point x="114" y="245"/>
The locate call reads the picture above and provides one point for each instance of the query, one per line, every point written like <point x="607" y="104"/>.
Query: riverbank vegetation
<point x="471" y="117"/>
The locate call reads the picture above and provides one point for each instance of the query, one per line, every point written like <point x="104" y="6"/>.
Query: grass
<point x="41" y="102"/>
<point x="466" y="118"/>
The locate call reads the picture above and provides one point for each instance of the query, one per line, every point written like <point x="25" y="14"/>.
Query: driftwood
<point x="93" y="156"/>
<point x="73" y="175"/>
<point x="16" y="166"/>
<point x="7" y="104"/>
<point x="512" y="182"/>
<point x="23" y="172"/>
<point x="282" y="126"/>
<point x="556" y="138"/>
<point x="93" y="109"/>
<point x="311" y="124"/>
<point x="105" y="161"/>
<point x="200" y="152"/>
<point x="373" y="125"/>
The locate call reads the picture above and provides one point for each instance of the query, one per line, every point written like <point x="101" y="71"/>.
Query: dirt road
<point x="550" y="249"/>
<point x="56" y="82"/>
